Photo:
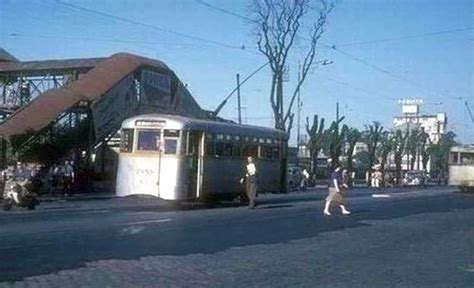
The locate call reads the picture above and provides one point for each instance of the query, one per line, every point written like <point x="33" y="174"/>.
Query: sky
<point x="385" y="51"/>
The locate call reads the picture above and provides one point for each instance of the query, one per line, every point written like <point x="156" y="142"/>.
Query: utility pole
<point x="298" y="112"/>
<point x="239" y="108"/>
<point x="337" y="116"/>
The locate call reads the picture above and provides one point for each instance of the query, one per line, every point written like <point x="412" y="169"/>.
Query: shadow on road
<point x="263" y="226"/>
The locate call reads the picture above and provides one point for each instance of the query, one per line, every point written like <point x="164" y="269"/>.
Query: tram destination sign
<point x="150" y="123"/>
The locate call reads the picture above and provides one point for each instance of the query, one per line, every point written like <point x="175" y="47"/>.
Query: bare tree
<point x="277" y="25"/>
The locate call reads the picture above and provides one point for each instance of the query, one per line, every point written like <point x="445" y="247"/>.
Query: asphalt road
<point x="417" y="238"/>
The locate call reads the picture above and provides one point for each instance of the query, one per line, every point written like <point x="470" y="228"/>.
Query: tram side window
<point x="219" y="152"/>
<point x="250" y="150"/>
<point x="237" y="150"/>
<point x="126" y="141"/>
<point x="228" y="148"/>
<point x="210" y="146"/>
<point x="467" y="159"/>
<point x="265" y="152"/>
<point x="454" y="158"/>
<point x="276" y="153"/>
<point x="148" y="140"/>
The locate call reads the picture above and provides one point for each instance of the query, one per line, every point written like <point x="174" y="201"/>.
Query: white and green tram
<point x="179" y="158"/>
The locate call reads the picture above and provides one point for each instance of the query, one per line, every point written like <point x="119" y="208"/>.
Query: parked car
<point x="414" y="178"/>
<point x="294" y="177"/>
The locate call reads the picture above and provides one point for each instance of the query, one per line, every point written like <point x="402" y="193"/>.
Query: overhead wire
<point x="105" y="40"/>
<point x="149" y="26"/>
<point x="358" y="59"/>
<point x="414" y="36"/>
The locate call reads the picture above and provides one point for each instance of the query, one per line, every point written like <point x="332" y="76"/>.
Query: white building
<point x="410" y="119"/>
<point x="434" y="125"/>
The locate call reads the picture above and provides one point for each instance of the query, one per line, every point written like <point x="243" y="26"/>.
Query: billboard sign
<point x="410" y="109"/>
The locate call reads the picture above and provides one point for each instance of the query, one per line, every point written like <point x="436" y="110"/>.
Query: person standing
<point x="53" y="177"/>
<point x="335" y="185"/>
<point x="304" y="179"/>
<point x="68" y="178"/>
<point x="250" y="181"/>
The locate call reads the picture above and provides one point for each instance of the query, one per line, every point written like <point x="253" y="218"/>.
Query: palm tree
<point x="335" y="137"/>
<point x="372" y="137"/>
<point x="316" y="136"/>
<point x="352" y="136"/>
<point x="413" y="142"/>
<point x="424" y="153"/>
<point x="386" y="145"/>
<point x="399" y="143"/>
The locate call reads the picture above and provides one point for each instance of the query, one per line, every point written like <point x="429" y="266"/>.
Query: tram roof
<point x="463" y="148"/>
<point x="182" y="122"/>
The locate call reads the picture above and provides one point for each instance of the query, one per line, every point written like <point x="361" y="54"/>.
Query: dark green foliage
<point x="316" y="137"/>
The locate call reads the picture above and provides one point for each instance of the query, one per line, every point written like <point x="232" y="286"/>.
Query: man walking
<point x="251" y="182"/>
<point x="335" y="182"/>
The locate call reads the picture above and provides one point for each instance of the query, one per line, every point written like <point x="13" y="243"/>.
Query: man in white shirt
<point x="251" y="182"/>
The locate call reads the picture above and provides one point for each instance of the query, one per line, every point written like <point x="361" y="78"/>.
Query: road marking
<point x="149" y="221"/>
<point x="381" y="195"/>
<point x="132" y="230"/>
<point x="469" y="268"/>
<point x="99" y="211"/>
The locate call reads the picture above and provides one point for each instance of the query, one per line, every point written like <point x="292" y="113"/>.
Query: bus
<point x="180" y="158"/>
<point x="461" y="167"/>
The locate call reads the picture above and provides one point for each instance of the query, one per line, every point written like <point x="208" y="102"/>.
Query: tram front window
<point x="149" y="140"/>
<point x="171" y="141"/>
<point x="171" y="146"/>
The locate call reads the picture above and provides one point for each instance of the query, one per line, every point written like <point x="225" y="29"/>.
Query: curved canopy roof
<point x="91" y="86"/>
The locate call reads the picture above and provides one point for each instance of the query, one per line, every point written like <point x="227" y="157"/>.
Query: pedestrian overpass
<point x="54" y="109"/>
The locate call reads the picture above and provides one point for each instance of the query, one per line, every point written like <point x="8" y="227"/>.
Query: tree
<point x="277" y="24"/>
<point x="399" y="142"/>
<point x="413" y="142"/>
<point x="335" y="140"/>
<point x="352" y="136"/>
<point x="386" y="146"/>
<point x="372" y="137"/>
<point x="361" y="161"/>
<point x="424" y="151"/>
<point x="439" y="153"/>
<point x="316" y="136"/>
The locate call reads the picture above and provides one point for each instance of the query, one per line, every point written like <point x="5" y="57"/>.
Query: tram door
<point x="195" y="143"/>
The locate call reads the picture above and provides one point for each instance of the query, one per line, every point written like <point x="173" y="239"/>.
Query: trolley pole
<point x="239" y="108"/>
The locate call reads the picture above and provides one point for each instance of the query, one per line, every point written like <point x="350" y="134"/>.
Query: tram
<point x="461" y="167"/>
<point x="179" y="158"/>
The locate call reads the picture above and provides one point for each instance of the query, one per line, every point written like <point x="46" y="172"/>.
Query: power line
<point x="225" y="11"/>
<point x="415" y="36"/>
<point x="384" y="71"/>
<point x="105" y="40"/>
<point x="157" y="28"/>
<point x="398" y="38"/>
